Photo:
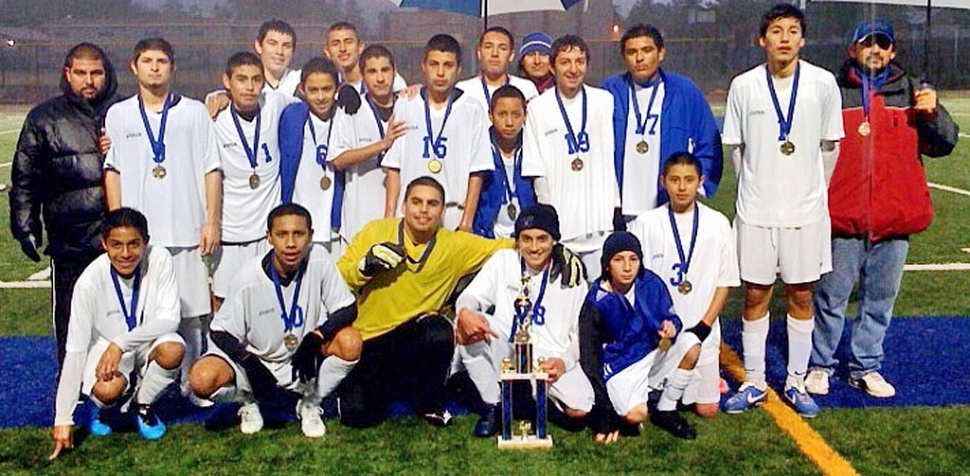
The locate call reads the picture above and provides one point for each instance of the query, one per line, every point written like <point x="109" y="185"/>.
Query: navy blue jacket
<point x="493" y="195"/>
<point x="292" y="126"/>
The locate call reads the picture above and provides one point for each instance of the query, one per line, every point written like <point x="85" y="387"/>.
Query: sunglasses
<point x="882" y="40"/>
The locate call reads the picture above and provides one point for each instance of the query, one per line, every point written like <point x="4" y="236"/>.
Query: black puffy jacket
<point x="57" y="171"/>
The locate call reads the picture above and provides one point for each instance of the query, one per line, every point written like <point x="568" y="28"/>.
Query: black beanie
<point x="617" y="242"/>
<point x="543" y="217"/>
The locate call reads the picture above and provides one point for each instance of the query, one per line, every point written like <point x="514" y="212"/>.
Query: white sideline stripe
<point x="25" y="285"/>
<point x="11" y="131"/>
<point x="937" y="267"/>
<point x="965" y="135"/>
<point x="6" y="164"/>
<point x="947" y="188"/>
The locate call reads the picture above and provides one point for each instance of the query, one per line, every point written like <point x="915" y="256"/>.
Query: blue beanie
<point x="536" y="41"/>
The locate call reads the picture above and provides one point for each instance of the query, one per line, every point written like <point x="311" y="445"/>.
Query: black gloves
<point x="381" y="257"/>
<point x="348" y="99"/>
<point x="619" y="223"/>
<point x="308" y="357"/>
<point x="29" y="246"/>
<point x="568" y="264"/>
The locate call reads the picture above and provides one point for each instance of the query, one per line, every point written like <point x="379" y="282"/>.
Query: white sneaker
<point x="310" y="421"/>
<point x="873" y="384"/>
<point x="250" y="419"/>
<point x="817" y="382"/>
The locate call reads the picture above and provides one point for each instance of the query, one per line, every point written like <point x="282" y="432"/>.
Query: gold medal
<point x="643" y="147"/>
<point x="159" y="172"/>
<point x="325" y="183"/>
<point x="254" y="181"/>
<point x="290" y="341"/>
<point x="664" y="344"/>
<point x="512" y="211"/>
<point x="577" y="164"/>
<point x="865" y="129"/>
<point x="434" y="166"/>
<point x="684" y="287"/>
<point x="787" y="148"/>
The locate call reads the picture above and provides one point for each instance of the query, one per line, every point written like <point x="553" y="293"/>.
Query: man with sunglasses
<point x="877" y="198"/>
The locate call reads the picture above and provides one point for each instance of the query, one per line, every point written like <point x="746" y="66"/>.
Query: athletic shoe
<point x="674" y="423"/>
<point x="488" y="423"/>
<point x="99" y="425"/>
<point x="310" y="421"/>
<point x="873" y="384"/>
<point x="802" y="402"/>
<point x="441" y="418"/>
<point x="817" y="382"/>
<point x="150" y="427"/>
<point x="747" y="397"/>
<point x="250" y="419"/>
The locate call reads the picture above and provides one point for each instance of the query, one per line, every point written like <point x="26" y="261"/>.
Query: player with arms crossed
<point x="285" y="324"/>
<point x="487" y="319"/>
<point x="691" y="247"/>
<point x="783" y="123"/>
<point x="124" y="314"/>
<point x="495" y="51"/>
<point x="447" y="137"/>
<point x="164" y="162"/>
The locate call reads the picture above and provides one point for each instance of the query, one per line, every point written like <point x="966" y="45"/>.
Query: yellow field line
<point x="812" y="445"/>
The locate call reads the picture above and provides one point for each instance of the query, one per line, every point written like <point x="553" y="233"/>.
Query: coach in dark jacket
<point x="57" y="175"/>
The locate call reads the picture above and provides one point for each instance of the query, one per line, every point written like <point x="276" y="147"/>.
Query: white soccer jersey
<point x="245" y="209"/>
<point x="777" y="190"/>
<point x="475" y="88"/>
<point x="252" y="312"/>
<point x="713" y="265"/>
<point x="504" y="224"/>
<point x="585" y="198"/>
<point x="642" y="170"/>
<point x="364" y="191"/>
<point x="175" y="205"/>
<point x="464" y="141"/>
<point x="288" y="83"/>
<point x="308" y="190"/>
<point x="499" y="283"/>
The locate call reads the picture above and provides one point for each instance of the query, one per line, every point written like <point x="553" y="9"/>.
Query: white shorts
<point x="136" y="359"/>
<point x="631" y="386"/>
<point x="704" y="387"/>
<point x="228" y="259"/>
<point x="283" y="371"/>
<point x="573" y="390"/>
<point x="192" y="276"/>
<point x="799" y="255"/>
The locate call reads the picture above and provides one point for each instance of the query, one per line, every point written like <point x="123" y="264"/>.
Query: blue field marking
<point x="925" y="360"/>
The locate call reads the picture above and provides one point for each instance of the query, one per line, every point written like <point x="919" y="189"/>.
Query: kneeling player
<point x="631" y="345"/>
<point x="485" y="336"/>
<point x="691" y="247"/>
<point x="285" y="323"/>
<point x="124" y="314"/>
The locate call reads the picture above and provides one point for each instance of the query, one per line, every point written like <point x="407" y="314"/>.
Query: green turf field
<point x="875" y="441"/>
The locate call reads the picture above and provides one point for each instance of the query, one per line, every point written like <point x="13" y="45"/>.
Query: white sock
<point x="224" y="394"/>
<point x="799" y="350"/>
<point x="754" y="337"/>
<point x="190" y="328"/>
<point x="332" y="372"/>
<point x="155" y="380"/>
<point x="674" y="389"/>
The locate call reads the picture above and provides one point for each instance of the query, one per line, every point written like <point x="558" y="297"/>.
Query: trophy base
<point x="530" y="442"/>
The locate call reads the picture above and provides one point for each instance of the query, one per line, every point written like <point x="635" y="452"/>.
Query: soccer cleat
<point x="488" y="422"/>
<point x="817" y="382"/>
<point x="802" y="402"/>
<point x="674" y="423"/>
<point x="311" y="422"/>
<point x="747" y="397"/>
<point x="99" y="425"/>
<point x="873" y="384"/>
<point x="440" y="418"/>
<point x="150" y="427"/>
<point x="250" y="419"/>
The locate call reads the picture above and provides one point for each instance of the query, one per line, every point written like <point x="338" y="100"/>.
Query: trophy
<point x="521" y="368"/>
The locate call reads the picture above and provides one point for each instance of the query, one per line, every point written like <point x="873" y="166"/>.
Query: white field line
<point x="5" y="164"/>
<point x="947" y="188"/>
<point x="25" y="285"/>
<point x="964" y="135"/>
<point x="9" y="131"/>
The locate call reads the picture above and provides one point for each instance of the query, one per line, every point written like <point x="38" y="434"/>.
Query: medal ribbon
<point x="868" y="84"/>
<point x="407" y="256"/>
<point x="321" y="156"/>
<point x="380" y="125"/>
<point x="538" y="310"/>
<point x="293" y="319"/>
<point x="135" y="290"/>
<point x="565" y="117"/>
<point x="642" y="121"/>
<point x="436" y="141"/>
<point x="784" y="124"/>
<point x="488" y="95"/>
<point x="250" y="151"/>
<point x="685" y="263"/>
<point x="158" y="146"/>
<point x="500" y="168"/>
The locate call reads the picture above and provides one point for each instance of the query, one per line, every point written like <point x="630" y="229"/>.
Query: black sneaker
<point x="441" y="418"/>
<point x="674" y="423"/>
<point x="488" y="423"/>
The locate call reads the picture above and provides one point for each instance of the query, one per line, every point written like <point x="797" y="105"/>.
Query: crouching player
<point x="285" y="324"/>
<point x="485" y="336"/>
<point x="631" y="344"/>
<point x="124" y="315"/>
<point x="692" y="248"/>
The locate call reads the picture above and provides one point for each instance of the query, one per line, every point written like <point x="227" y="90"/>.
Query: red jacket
<point x="878" y="189"/>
